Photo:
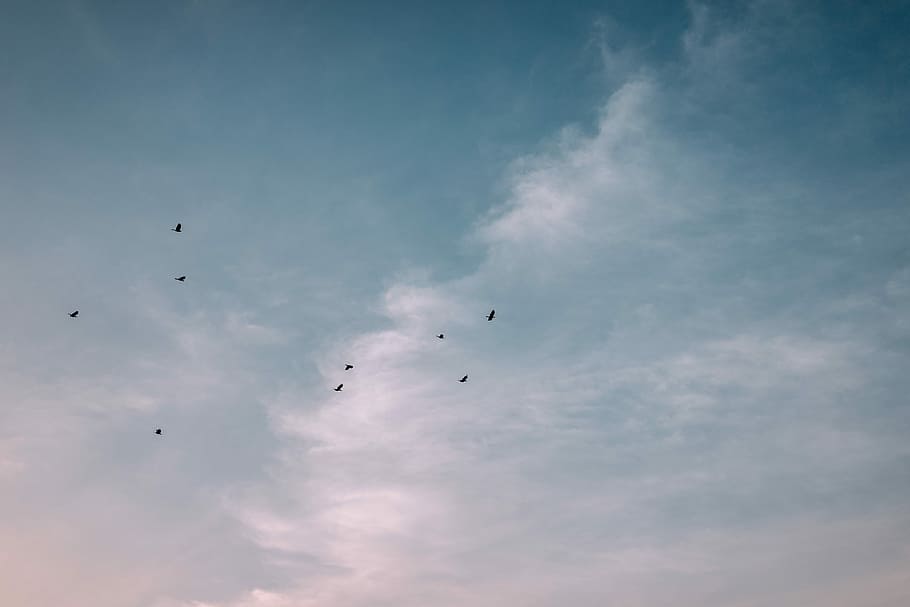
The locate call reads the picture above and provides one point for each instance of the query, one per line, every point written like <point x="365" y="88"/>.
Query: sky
<point x="691" y="218"/>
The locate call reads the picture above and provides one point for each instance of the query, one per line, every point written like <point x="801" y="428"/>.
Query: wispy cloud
<point x="585" y="473"/>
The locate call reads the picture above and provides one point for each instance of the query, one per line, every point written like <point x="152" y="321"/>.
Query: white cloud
<point x="575" y="478"/>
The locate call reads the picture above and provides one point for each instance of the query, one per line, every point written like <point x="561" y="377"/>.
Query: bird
<point x="158" y="431"/>
<point x="179" y="228"/>
<point x="441" y="336"/>
<point x="338" y="389"/>
<point x="74" y="314"/>
<point x="348" y="367"/>
<point x="491" y="315"/>
<point x="463" y="379"/>
<point x="180" y="278"/>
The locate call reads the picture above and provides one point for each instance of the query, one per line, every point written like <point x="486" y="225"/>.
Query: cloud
<point x="685" y="444"/>
<point x="608" y="181"/>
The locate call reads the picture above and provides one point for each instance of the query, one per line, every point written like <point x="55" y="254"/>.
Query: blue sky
<point x="691" y="218"/>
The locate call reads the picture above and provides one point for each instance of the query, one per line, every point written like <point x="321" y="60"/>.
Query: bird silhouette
<point x="463" y="379"/>
<point x="158" y="431"/>
<point x="180" y="278"/>
<point x="338" y="389"/>
<point x="179" y="228"/>
<point x="74" y="314"/>
<point x="348" y="367"/>
<point x="441" y="336"/>
<point x="491" y="315"/>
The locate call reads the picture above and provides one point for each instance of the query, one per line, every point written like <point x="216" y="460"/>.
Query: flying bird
<point x="463" y="379"/>
<point x="158" y="431"/>
<point x="74" y="314"/>
<point x="441" y="336"/>
<point x="348" y="367"/>
<point x="180" y="278"/>
<point x="179" y="228"/>
<point x="338" y="389"/>
<point x="491" y="315"/>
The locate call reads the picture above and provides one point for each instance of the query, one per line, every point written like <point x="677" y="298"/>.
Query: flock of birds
<point x="464" y="379"/>
<point x="347" y="367"/>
